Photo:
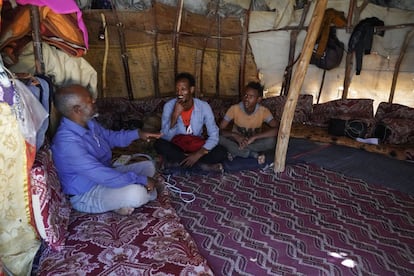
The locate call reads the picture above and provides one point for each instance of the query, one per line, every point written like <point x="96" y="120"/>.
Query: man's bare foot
<point x="125" y="211"/>
<point x="217" y="167"/>
<point x="261" y="159"/>
<point x="230" y="156"/>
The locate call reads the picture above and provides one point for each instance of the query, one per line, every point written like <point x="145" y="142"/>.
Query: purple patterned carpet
<point x="304" y="221"/>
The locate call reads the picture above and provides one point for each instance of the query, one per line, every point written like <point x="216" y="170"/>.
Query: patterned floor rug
<point x="304" y="221"/>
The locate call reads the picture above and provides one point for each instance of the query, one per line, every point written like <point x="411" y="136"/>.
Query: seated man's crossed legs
<point x="255" y="149"/>
<point x="174" y="155"/>
<point x="122" y="200"/>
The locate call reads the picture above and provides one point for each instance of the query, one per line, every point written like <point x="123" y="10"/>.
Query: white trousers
<point x="102" y="199"/>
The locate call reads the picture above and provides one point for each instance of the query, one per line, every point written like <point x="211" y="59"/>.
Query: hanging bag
<point x="332" y="55"/>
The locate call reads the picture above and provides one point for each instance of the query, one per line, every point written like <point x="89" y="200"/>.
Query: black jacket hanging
<point x="361" y="38"/>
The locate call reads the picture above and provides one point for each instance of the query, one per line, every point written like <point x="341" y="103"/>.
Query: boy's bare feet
<point x="125" y="211"/>
<point x="261" y="159"/>
<point x="230" y="156"/>
<point x="217" y="167"/>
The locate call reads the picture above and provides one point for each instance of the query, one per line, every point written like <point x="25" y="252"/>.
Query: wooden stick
<point x="294" y="91"/>
<point x="218" y="56"/>
<point x="351" y="9"/>
<point x="292" y="49"/>
<point x="177" y="34"/>
<point x="243" y="51"/>
<point x="321" y="87"/>
<point x="124" y="52"/>
<point x="105" y="58"/>
<point x="203" y="53"/>
<point x="349" y="63"/>
<point x="155" y="56"/>
<point x="409" y="35"/>
<point x="37" y="40"/>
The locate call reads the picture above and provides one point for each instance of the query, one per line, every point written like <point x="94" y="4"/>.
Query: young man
<point x="183" y="122"/>
<point x="247" y="137"/>
<point x="82" y="154"/>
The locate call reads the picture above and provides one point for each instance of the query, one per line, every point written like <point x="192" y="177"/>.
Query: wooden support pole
<point x="409" y="35"/>
<point x="349" y="63"/>
<point x="243" y="51"/>
<point x="155" y="56"/>
<point x="292" y="49"/>
<point x="218" y="55"/>
<point x="177" y="28"/>
<point x="203" y="53"/>
<point x="104" y="35"/>
<point x="37" y="40"/>
<point x="349" y="24"/>
<point x="124" y="52"/>
<point x="294" y="91"/>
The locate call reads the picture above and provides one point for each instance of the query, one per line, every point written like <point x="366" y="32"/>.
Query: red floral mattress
<point x="150" y="241"/>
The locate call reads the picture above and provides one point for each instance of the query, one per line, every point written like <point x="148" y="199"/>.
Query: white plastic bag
<point x="29" y="112"/>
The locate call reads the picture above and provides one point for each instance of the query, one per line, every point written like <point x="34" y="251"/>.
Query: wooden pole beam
<point x="404" y="47"/>
<point x="297" y="82"/>
<point x="177" y="29"/>
<point x="244" y="38"/>
<point x="155" y="55"/>
<point x="37" y="40"/>
<point x="352" y="5"/>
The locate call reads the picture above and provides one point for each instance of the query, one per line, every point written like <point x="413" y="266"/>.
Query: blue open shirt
<point x="83" y="157"/>
<point x="202" y="116"/>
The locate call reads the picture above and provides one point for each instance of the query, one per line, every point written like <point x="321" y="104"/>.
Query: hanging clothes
<point x="330" y="17"/>
<point x="361" y="39"/>
<point x="59" y="30"/>
<point x="62" y="7"/>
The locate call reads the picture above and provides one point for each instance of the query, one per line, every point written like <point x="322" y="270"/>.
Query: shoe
<point x="216" y="168"/>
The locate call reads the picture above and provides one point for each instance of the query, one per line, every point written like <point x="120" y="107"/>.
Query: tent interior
<point x="320" y="205"/>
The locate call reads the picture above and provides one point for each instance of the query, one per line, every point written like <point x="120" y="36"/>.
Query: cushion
<point x="392" y="110"/>
<point x="219" y="106"/>
<point x="303" y="109"/>
<point x="51" y="208"/>
<point x="349" y="108"/>
<point x="398" y="131"/>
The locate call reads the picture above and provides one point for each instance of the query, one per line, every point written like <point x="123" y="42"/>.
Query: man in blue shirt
<point x="82" y="155"/>
<point x="185" y="117"/>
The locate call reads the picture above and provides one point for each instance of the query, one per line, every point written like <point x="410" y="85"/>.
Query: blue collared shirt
<point x="201" y="115"/>
<point x="83" y="157"/>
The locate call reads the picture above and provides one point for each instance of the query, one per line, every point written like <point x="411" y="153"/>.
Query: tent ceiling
<point x="234" y="7"/>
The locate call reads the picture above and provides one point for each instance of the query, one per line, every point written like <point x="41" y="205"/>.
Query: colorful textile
<point x="151" y="241"/>
<point x="18" y="240"/>
<point x="62" y="7"/>
<point x="51" y="209"/>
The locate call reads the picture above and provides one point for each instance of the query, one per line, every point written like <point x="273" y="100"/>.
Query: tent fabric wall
<point x="201" y="50"/>
<point x="267" y="56"/>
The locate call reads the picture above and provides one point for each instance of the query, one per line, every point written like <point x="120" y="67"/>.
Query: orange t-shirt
<point x="186" y="116"/>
